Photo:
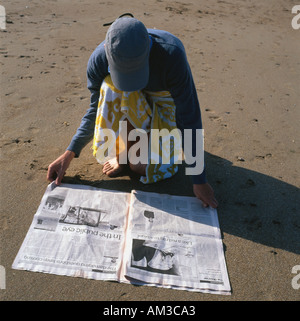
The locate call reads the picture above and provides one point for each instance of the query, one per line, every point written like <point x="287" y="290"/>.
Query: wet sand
<point x="244" y="57"/>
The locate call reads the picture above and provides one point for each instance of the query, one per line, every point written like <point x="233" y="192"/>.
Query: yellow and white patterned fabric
<point x="145" y="110"/>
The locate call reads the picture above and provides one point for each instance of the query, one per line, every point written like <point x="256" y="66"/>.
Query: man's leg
<point x="138" y="168"/>
<point x="112" y="167"/>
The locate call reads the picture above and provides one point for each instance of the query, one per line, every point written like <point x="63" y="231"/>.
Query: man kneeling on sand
<point x="140" y="78"/>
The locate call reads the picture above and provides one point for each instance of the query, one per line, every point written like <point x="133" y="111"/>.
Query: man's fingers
<point x="213" y="203"/>
<point x="205" y="193"/>
<point x="60" y="176"/>
<point x="55" y="174"/>
<point x="51" y="174"/>
<point x="209" y="202"/>
<point x="57" y="169"/>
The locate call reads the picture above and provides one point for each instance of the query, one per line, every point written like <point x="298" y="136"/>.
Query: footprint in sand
<point x="62" y="99"/>
<point x="73" y="85"/>
<point x="212" y="117"/>
<point x="33" y="130"/>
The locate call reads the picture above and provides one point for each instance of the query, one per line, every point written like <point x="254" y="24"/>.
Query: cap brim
<point x="132" y="81"/>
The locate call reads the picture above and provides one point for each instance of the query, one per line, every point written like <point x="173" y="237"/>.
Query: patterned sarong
<point x="144" y="110"/>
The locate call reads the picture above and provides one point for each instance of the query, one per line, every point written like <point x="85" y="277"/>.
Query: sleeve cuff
<point x="73" y="148"/>
<point x="199" y="179"/>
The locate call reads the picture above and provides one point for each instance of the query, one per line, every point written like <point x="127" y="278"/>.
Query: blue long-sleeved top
<point x="169" y="71"/>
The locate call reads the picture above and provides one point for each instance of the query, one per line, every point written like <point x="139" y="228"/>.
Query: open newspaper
<point x="138" y="237"/>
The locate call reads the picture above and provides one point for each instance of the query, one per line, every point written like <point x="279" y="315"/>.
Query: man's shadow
<point x="252" y="205"/>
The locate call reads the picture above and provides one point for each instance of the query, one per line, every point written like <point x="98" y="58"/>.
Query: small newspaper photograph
<point x="139" y="237"/>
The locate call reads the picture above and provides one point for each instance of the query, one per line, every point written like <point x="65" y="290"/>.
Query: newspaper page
<point x="77" y="231"/>
<point x="174" y="241"/>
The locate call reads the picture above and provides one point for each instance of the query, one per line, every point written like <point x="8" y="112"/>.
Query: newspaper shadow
<point x="252" y="205"/>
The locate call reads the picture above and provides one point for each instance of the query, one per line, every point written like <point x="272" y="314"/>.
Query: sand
<point x="245" y="60"/>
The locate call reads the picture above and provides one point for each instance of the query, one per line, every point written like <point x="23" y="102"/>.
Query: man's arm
<point x="188" y="116"/>
<point x="96" y="71"/>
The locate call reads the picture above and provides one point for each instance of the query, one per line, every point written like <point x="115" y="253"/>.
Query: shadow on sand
<point x="252" y="205"/>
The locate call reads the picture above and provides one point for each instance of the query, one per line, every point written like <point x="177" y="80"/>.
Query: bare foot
<point x="112" y="167"/>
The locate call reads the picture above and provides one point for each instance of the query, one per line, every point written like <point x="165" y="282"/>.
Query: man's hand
<point x="206" y="194"/>
<point x="57" y="169"/>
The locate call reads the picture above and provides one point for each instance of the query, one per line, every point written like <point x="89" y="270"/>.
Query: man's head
<point x="127" y="47"/>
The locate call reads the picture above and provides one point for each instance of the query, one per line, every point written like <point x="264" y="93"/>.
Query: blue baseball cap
<point x="127" y="48"/>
